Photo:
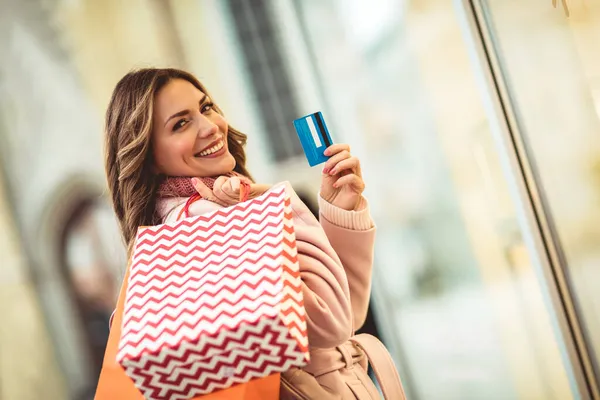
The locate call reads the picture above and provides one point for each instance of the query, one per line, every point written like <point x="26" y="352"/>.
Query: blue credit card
<point x="314" y="137"/>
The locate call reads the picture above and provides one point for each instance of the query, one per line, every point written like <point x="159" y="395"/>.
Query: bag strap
<point x="244" y="195"/>
<point x="383" y="366"/>
<point x="186" y="208"/>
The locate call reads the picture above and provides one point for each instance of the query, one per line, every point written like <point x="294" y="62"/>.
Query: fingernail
<point x="325" y="170"/>
<point x="333" y="172"/>
<point x="194" y="181"/>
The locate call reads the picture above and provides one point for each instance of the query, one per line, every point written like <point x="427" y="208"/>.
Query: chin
<point x="223" y="166"/>
<point x="229" y="163"/>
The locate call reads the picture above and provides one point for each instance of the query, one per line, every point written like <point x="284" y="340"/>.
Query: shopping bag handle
<point x="244" y="194"/>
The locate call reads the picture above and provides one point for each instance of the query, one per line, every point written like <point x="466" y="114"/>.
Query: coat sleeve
<point x="324" y="286"/>
<point x="352" y="236"/>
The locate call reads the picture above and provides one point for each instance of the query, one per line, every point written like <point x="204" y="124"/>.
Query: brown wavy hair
<point x="132" y="180"/>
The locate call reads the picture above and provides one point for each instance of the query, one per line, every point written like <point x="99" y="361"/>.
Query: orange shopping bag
<point x="114" y="384"/>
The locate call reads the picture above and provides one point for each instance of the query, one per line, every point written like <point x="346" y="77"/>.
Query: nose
<point x="207" y="128"/>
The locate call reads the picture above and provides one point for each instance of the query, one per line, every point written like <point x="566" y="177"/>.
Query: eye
<point x="180" y="124"/>
<point x="207" y="107"/>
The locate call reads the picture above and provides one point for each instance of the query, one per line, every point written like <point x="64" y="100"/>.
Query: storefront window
<point x="551" y="65"/>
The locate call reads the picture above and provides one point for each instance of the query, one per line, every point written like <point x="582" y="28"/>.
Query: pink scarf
<point x="181" y="186"/>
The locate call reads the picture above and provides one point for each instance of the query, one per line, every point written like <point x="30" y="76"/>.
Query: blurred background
<point x="477" y="123"/>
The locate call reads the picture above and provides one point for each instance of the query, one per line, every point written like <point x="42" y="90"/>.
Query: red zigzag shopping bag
<point x="214" y="301"/>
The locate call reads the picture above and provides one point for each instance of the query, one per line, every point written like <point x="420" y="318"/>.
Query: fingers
<point x="204" y="190"/>
<point x="234" y="184"/>
<point x="223" y="190"/>
<point x="218" y="187"/>
<point x="351" y="164"/>
<point x="233" y="188"/>
<point x="334" y="160"/>
<point x="336" y="148"/>
<point x="351" y="180"/>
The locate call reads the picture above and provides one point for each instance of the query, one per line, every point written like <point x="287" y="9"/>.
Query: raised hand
<point x="342" y="184"/>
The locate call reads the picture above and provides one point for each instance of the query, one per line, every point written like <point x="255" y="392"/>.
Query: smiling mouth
<point x="214" y="147"/>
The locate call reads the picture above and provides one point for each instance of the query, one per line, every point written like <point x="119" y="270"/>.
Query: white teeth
<point x="213" y="149"/>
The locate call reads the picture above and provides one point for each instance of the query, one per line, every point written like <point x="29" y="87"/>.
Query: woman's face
<point x="189" y="137"/>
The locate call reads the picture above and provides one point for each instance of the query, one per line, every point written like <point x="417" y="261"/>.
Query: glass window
<point x="455" y="291"/>
<point x="551" y="64"/>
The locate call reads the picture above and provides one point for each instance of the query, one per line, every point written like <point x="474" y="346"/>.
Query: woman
<point x="166" y="140"/>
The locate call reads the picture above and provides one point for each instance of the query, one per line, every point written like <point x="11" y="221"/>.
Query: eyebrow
<point x="186" y="111"/>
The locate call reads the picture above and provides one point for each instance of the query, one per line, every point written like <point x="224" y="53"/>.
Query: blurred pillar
<point x="28" y="365"/>
<point x="106" y="39"/>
